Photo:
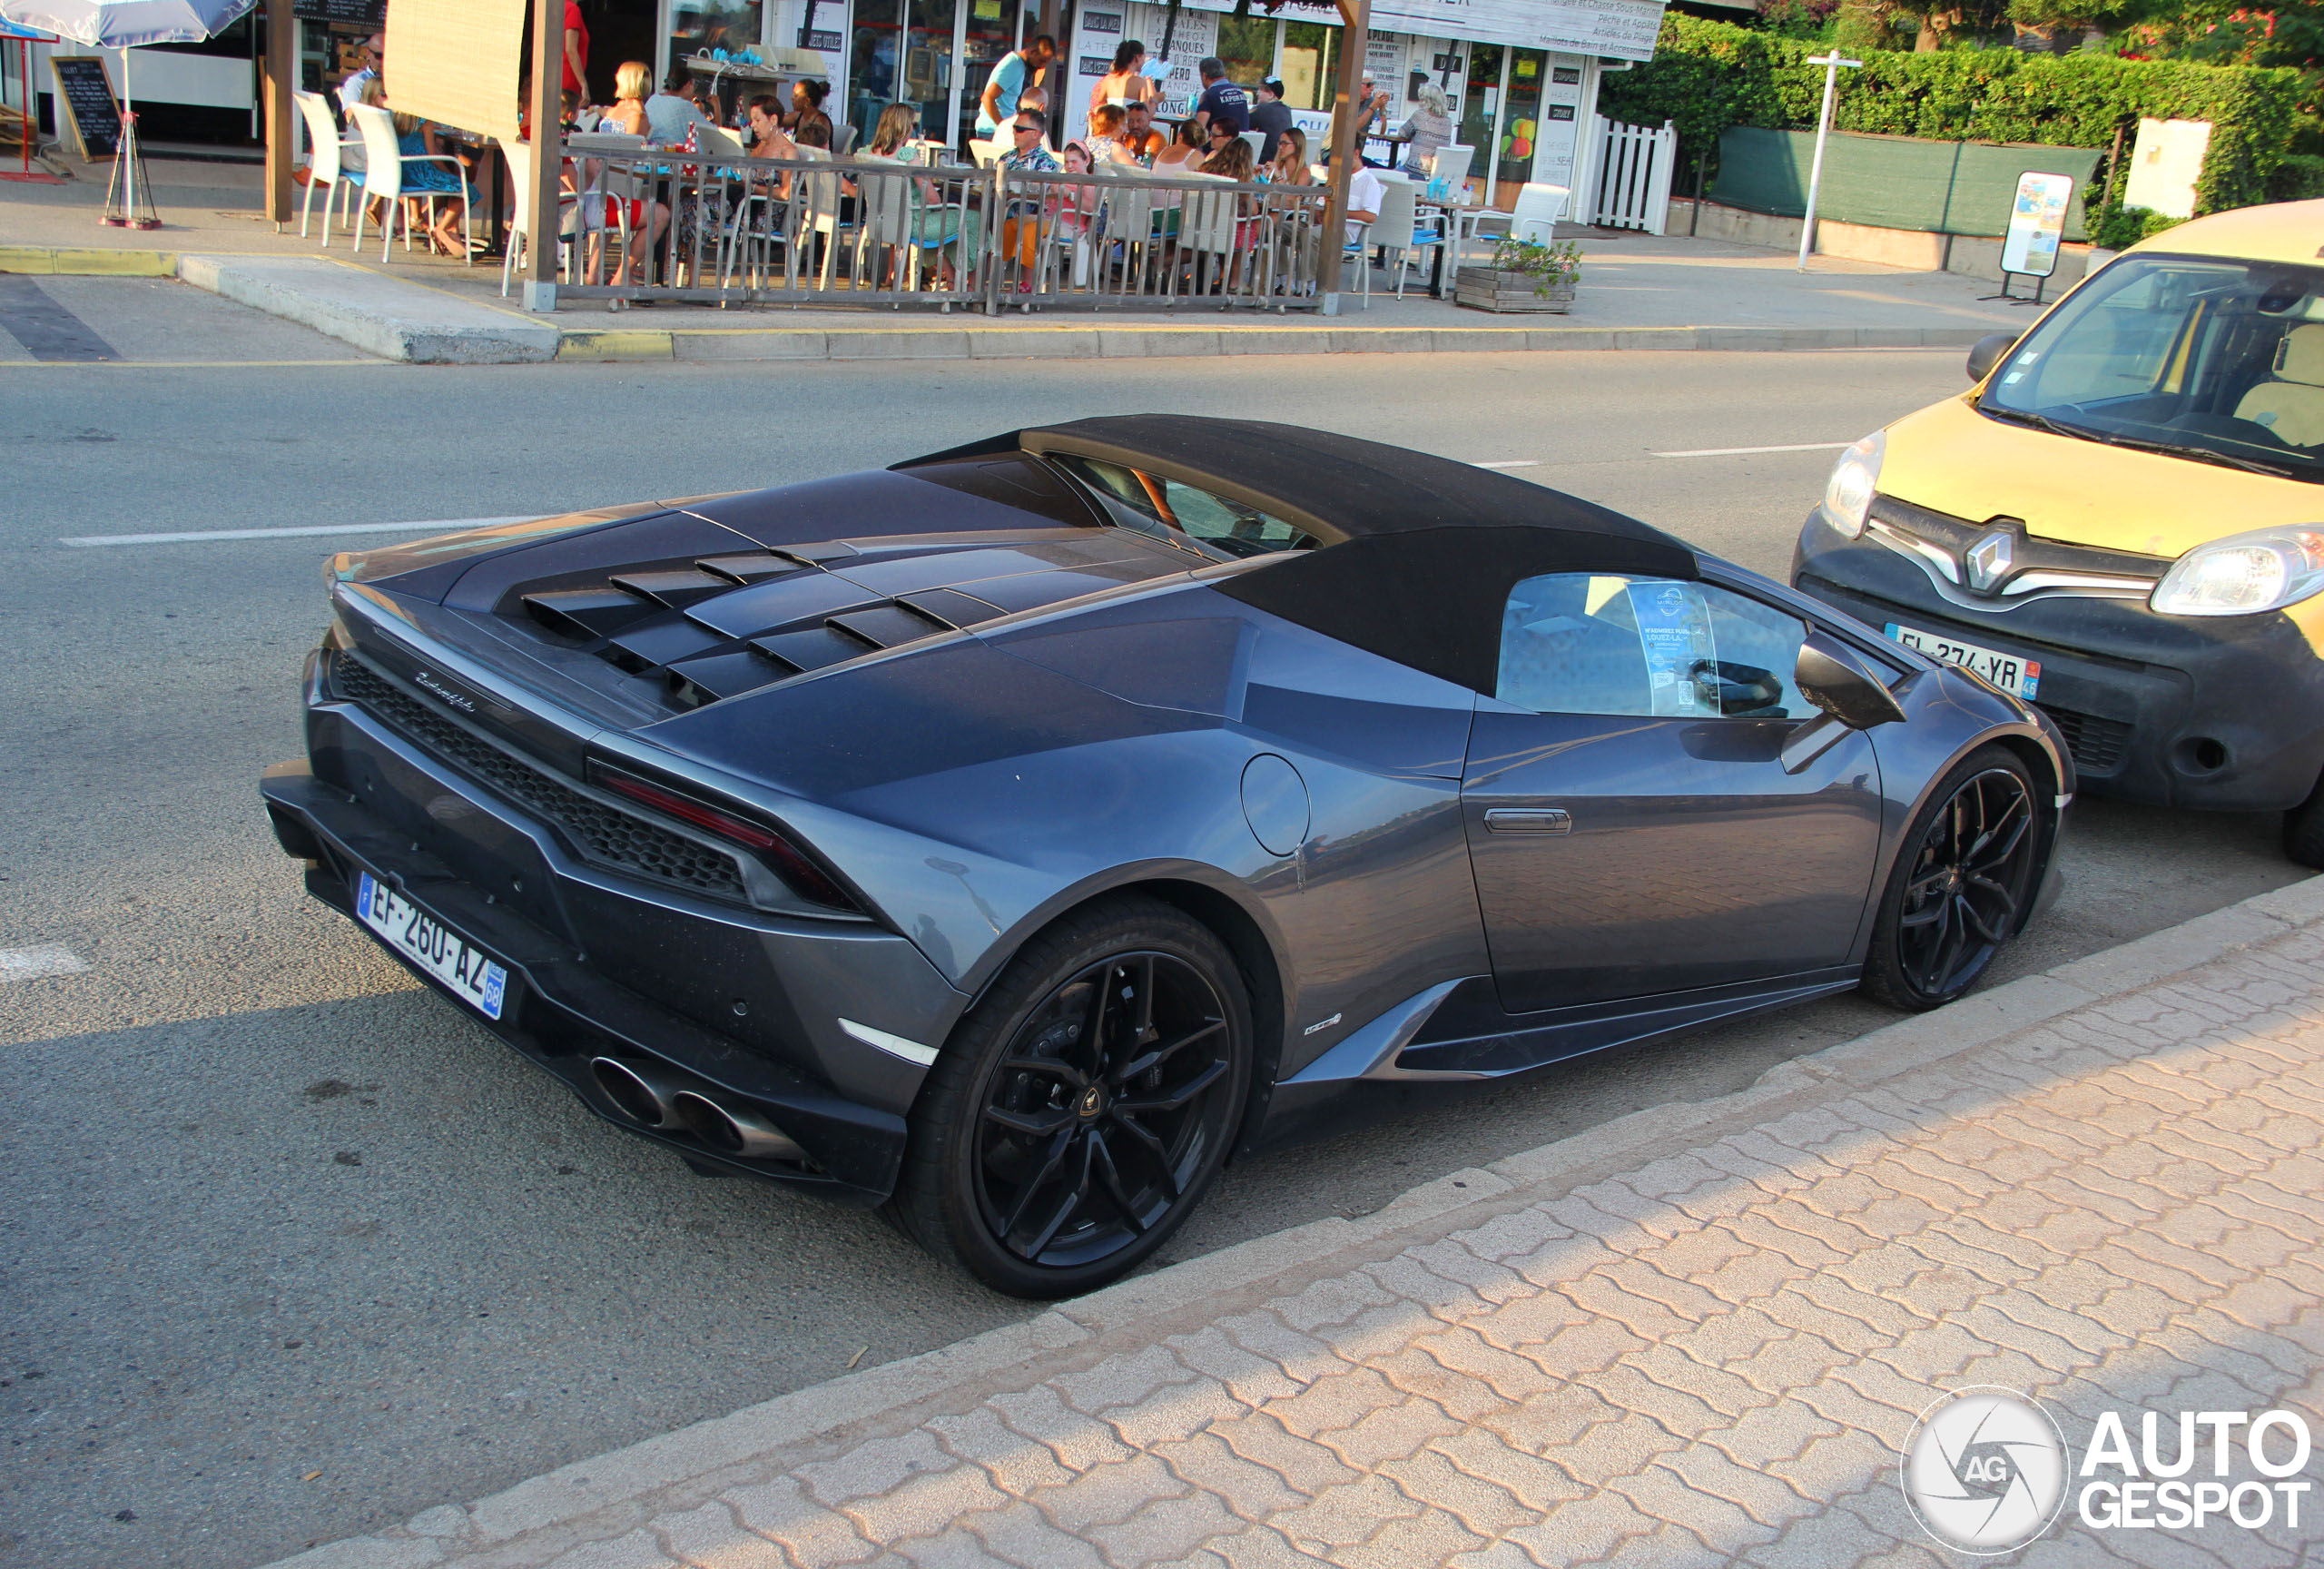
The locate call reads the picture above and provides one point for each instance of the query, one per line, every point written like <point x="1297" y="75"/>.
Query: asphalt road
<point x="292" y="1247"/>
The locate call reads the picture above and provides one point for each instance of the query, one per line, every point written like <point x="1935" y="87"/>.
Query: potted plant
<point x="1524" y="275"/>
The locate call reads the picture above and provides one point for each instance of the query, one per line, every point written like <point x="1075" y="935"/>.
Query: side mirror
<point x="1829" y="677"/>
<point x="1989" y="351"/>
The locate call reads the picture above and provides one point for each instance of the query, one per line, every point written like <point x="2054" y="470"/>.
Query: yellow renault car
<point x="2123" y="520"/>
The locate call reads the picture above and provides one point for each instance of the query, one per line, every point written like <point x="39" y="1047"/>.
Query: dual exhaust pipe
<point x="654" y="1097"/>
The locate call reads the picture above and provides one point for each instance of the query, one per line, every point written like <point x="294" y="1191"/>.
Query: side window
<point x="1596" y="643"/>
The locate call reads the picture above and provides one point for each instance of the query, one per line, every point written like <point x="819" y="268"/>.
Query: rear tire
<point x="1085" y="1105"/>
<point x="2304" y="829"/>
<point x="1967" y="872"/>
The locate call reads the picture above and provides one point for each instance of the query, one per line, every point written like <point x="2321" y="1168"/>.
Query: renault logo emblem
<point x="1990" y="559"/>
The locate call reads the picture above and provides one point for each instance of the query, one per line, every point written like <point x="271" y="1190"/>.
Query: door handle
<point x="1528" y="820"/>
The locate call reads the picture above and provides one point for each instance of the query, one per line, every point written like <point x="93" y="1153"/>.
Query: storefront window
<point x="1247" y="48"/>
<point x="903" y="55"/>
<point x="1529" y="72"/>
<point x="696" y="25"/>
<point x="991" y="34"/>
<point x="1309" y="52"/>
<point x="1479" y="101"/>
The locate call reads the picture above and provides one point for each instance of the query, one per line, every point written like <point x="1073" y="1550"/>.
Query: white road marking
<point x="32" y="963"/>
<point x="1747" y="451"/>
<point x="319" y="530"/>
<point x="1511" y="463"/>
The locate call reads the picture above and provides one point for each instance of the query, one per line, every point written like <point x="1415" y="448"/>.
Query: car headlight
<point x="2244" y="574"/>
<point x="1847" y="494"/>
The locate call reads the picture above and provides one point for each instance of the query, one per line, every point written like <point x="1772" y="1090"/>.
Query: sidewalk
<point x="1697" y="1335"/>
<point x="1636" y="291"/>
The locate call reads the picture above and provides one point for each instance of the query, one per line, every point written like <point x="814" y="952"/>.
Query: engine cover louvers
<point x="728" y="624"/>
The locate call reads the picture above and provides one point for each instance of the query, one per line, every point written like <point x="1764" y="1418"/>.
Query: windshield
<point x="2218" y="360"/>
<point x="1189" y="517"/>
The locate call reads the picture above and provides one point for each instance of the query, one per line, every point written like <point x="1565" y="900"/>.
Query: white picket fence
<point x="1630" y="174"/>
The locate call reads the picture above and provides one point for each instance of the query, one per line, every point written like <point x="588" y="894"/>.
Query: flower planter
<point x="1502" y="288"/>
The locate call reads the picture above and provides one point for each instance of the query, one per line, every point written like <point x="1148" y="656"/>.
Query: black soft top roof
<point x="1419" y="552"/>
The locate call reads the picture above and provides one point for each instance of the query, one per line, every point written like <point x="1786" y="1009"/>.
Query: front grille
<point x="604" y="835"/>
<point x="2097" y="744"/>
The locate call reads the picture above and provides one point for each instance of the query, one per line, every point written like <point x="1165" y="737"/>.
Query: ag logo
<point x="1985" y="1470"/>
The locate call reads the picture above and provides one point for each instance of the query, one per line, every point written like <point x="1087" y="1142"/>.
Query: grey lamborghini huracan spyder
<point x="1011" y="835"/>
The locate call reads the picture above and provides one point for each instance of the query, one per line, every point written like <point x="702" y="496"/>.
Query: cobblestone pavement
<point x="1698" y="1335"/>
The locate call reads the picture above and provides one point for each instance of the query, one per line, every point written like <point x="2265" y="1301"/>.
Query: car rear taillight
<point x="806" y="879"/>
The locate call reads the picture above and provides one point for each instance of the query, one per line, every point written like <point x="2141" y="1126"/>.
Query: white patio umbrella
<point x="123" y="25"/>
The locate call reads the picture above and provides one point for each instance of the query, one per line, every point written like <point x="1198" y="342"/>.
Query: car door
<point x="1632" y="820"/>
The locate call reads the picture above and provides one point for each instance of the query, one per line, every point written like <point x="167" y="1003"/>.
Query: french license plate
<point x="2007" y="671"/>
<point x="433" y="946"/>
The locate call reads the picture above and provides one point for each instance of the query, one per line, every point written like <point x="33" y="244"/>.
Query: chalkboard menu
<point x="359" y="12"/>
<point x="85" y="91"/>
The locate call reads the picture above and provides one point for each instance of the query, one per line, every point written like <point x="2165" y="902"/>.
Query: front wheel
<point x="1081" y="1109"/>
<point x="1962" y="884"/>
<point x="2304" y="829"/>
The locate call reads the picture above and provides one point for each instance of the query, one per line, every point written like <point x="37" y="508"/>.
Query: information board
<point x="84" y="88"/>
<point x="2037" y="221"/>
<point x="353" y="12"/>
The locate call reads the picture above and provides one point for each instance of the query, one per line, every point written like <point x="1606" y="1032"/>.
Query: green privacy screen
<point x="1893" y="181"/>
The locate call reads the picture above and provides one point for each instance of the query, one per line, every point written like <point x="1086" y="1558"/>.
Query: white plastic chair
<point x="1397" y="229"/>
<point x="1206" y="229"/>
<point x="574" y="218"/>
<point x="383" y="160"/>
<point x="1451" y="165"/>
<point x="986" y="153"/>
<point x="1538" y="208"/>
<point x="327" y="162"/>
<point x="1257" y="142"/>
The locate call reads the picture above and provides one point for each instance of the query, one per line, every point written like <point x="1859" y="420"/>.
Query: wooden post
<point x="548" y="154"/>
<point x="1355" y="17"/>
<point x="281" y="136"/>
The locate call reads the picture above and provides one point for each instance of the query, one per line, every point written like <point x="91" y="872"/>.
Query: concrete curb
<point x="414" y="322"/>
<point x="561" y="1499"/>
<point x="66" y="260"/>
<point x="391" y="317"/>
<point x="1141" y="340"/>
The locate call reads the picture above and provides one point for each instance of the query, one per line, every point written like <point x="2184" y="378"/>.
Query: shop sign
<point x="1618" y="29"/>
<point x="1102" y="21"/>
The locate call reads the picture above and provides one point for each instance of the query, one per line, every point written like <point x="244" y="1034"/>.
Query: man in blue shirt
<point x="1016" y="72"/>
<point x="1222" y="102"/>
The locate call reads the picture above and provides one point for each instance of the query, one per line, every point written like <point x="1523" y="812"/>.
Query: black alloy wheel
<point x="1081" y="1111"/>
<point x="1962" y="885"/>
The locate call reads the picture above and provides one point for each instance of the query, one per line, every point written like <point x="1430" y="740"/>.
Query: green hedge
<point x="2298" y="178"/>
<point x="1708" y="76"/>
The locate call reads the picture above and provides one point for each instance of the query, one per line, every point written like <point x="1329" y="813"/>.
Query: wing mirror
<point x="1989" y="351"/>
<point x="1828" y="676"/>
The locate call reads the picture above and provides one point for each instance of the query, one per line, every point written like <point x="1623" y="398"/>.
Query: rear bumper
<point x="2217" y="714"/>
<point x="736" y="1003"/>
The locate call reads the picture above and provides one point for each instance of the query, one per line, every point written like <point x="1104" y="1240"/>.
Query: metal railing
<point x="700" y="228"/>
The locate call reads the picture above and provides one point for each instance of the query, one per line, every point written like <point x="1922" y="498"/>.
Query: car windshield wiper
<point x="2038" y="421"/>
<point x="2200" y="454"/>
<point x="2140" y="443"/>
